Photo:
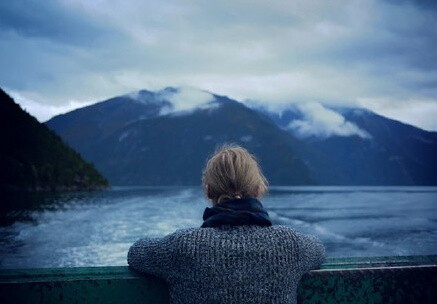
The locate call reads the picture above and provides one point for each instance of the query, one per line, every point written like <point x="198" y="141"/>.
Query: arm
<point x="152" y="255"/>
<point x="311" y="252"/>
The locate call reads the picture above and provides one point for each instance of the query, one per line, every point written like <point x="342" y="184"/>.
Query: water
<point x="97" y="228"/>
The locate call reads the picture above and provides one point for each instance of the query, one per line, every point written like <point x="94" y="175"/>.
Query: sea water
<point x="97" y="228"/>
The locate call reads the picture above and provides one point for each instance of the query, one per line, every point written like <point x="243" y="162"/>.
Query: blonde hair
<point x="232" y="172"/>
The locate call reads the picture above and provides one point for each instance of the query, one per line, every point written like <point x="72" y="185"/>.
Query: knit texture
<point x="229" y="264"/>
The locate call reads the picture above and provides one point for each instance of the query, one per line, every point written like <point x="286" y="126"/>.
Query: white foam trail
<point x="322" y="232"/>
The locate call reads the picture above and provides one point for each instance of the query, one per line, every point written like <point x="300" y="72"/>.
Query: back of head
<point x="232" y="172"/>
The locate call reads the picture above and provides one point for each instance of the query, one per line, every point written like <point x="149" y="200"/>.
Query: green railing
<point x="353" y="280"/>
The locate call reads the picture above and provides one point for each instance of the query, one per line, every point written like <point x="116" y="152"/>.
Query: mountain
<point x="164" y="138"/>
<point x="32" y="157"/>
<point x="363" y="149"/>
<point x="153" y="138"/>
<point x="81" y="128"/>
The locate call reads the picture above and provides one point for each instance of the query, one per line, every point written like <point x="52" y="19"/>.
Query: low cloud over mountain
<point x="323" y="122"/>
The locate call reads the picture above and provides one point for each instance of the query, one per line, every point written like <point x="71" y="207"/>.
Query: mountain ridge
<point x="33" y="157"/>
<point x="130" y="155"/>
<point x="394" y="151"/>
<point x="326" y="145"/>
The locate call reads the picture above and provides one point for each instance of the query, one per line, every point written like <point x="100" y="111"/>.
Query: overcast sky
<point x="56" y="55"/>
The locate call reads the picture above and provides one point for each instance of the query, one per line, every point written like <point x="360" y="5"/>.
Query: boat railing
<point x="403" y="279"/>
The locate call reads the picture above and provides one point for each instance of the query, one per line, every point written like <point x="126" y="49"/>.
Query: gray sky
<point x="59" y="55"/>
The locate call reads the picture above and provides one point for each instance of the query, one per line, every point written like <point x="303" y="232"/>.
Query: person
<point x="237" y="255"/>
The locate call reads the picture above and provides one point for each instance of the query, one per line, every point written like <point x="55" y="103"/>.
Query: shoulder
<point x="304" y="243"/>
<point x="288" y="232"/>
<point x="186" y="233"/>
<point x="292" y="232"/>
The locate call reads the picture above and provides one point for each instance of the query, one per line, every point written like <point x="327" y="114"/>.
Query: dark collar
<point x="246" y="211"/>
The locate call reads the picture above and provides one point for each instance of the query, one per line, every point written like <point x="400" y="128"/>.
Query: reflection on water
<point x="97" y="228"/>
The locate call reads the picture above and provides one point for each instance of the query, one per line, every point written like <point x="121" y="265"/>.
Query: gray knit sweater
<point x="229" y="264"/>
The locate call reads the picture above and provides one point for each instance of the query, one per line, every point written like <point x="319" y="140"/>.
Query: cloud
<point x="185" y="100"/>
<point x="49" y="19"/>
<point x="322" y="122"/>
<point x="43" y="112"/>
<point x="278" y="51"/>
<point x="423" y="114"/>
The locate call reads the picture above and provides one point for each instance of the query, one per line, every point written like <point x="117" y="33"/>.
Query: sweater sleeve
<point x="311" y="252"/>
<point x="152" y="256"/>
